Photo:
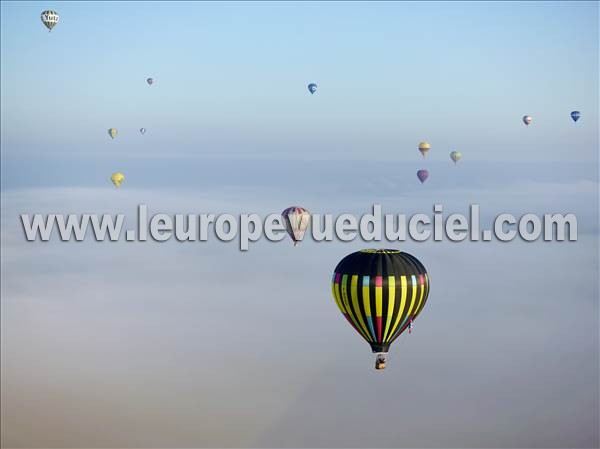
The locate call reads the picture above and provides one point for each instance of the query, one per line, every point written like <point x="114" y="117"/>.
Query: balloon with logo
<point x="422" y="175"/>
<point x="50" y="19"/>
<point x="117" y="179"/>
<point x="424" y="148"/>
<point x="575" y="115"/>
<point x="312" y="88"/>
<point x="455" y="156"/>
<point x="296" y="221"/>
<point x="527" y="119"/>
<point x="380" y="292"/>
<point x="112" y="132"/>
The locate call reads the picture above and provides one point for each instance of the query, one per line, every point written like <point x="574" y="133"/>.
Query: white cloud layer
<point x="200" y="345"/>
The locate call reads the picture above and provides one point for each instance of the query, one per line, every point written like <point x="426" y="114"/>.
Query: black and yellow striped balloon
<point x="380" y="292"/>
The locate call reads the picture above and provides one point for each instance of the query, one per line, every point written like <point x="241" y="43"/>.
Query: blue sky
<point x="231" y="79"/>
<point x="121" y="336"/>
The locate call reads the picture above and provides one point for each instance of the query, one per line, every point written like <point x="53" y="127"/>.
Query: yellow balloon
<point x="112" y="132"/>
<point x="424" y="148"/>
<point x="117" y="179"/>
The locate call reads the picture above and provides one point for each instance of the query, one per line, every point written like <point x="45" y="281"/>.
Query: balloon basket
<point x="380" y="360"/>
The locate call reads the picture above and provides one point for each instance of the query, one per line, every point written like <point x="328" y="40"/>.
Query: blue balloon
<point x="312" y="88"/>
<point x="575" y="115"/>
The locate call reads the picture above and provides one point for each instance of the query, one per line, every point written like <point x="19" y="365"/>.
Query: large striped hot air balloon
<point x="380" y="292"/>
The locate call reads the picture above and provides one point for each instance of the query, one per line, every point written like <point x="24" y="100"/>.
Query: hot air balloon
<point x="380" y="292"/>
<point x="150" y="81"/>
<point x="312" y="88"/>
<point x="112" y="132"/>
<point x="424" y="148"/>
<point x="575" y="115"/>
<point x="117" y="179"/>
<point x="527" y="119"/>
<point x="296" y="221"/>
<point x="422" y="175"/>
<point x="50" y="19"/>
<point x="142" y="131"/>
<point x="455" y="156"/>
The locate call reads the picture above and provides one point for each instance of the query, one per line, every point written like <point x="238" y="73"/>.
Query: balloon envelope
<point x="142" y="131"/>
<point x="422" y="175"/>
<point x="296" y="221"/>
<point x="575" y="115"/>
<point x="150" y="81"/>
<point x="455" y="156"/>
<point x="527" y="119"/>
<point x="424" y="148"/>
<point x="50" y="19"/>
<point x="312" y="88"/>
<point x="380" y="292"/>
<point x="117" y="179"/>
<point x="112" y="132"/>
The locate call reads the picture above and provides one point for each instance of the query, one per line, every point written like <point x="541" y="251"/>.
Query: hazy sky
<point x="201" y="345"/>
<point x="231" y="79"/>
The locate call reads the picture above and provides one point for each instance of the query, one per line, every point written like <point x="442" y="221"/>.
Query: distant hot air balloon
<point x="424" y="148"/>
<point x="117" y="179"/>
<point x="380" y="292"/>
<point x="296" y="221"/>
<point x="422" y="175"/>
<point x="527" y="119"/>
<point x="312" y="88"/>
<point x="575" y="115"/>
<point x="50" y="19"/>
<point x="455" y="156"/>
<point x="112" y="132"/>
<point x="142" y="131"/>
<point x="150" y="81"/>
